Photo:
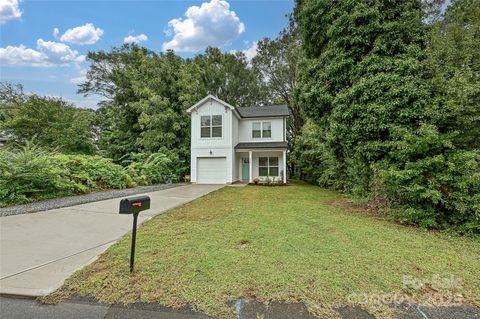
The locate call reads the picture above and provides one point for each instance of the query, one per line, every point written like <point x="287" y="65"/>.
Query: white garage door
<point x="212" y="170"/>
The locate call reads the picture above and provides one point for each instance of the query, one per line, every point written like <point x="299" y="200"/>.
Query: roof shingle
<point x="263" y="111"/>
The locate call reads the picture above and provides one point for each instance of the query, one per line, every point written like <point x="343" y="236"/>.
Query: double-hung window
<point x="210" y="126"/>
<point x="261" y="129"/>
<point x="268" y="166"/>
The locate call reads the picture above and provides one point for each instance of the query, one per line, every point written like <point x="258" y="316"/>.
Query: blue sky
<point x="43" y="43"/>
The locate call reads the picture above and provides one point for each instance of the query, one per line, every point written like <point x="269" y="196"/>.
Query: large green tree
<point x="454" y="62"/>
<point x="225" y="75"/>
<point x="144" y="110"/>
<point x="363" y="78"/>
<point x="53" y="123"/>
<point x="276" y="63"/>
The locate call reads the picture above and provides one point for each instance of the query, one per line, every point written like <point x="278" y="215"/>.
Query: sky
<point x="43" y="43"/>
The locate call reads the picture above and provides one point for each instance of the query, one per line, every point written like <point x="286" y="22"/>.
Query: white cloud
<point x="251" y="52"/>
<point x="78" y="80"/>
<point x="85" y="34"/>
<point x="56" y="51"/>
<point x="23" y="56"/>
<point x="9" y="10"/>
<point x="213" y="23"/>
<point x="56" y="32"/>
<point x="47" y="53"/>
<point x="135" y="39"/>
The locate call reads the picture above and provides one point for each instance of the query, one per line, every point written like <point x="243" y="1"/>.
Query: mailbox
<point x="134" y="205"/>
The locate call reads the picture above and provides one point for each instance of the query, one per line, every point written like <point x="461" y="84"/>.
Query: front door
<point x="245" y="169"/>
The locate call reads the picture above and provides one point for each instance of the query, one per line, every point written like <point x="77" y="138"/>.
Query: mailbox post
<point x="134" y="205"/>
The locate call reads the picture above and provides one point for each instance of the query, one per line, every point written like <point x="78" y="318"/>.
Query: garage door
<point x="212" y="170"/>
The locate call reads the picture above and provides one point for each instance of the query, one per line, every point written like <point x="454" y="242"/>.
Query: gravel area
<point x="80" y="199"/>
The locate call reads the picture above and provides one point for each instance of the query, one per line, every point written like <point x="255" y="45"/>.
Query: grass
<point x="274" y="243"/>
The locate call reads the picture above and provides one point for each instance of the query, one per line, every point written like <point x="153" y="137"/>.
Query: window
<point x="268" y="166"/>
<point x="211" y="126"/>
<point x="261" y="129"/>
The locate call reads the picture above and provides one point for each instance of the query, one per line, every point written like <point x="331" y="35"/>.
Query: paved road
<point x="39" y="251"/>
<point x="13" y="308"/>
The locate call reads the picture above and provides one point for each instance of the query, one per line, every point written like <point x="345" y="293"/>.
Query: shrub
<point x="29" y="172"/>
<point x="156" y="168"/>
<point x="93" y="172"/>
<point x="436" y="192"/>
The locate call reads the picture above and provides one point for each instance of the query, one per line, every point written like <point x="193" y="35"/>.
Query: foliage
<point x="156" y="168"/>
<point x="276" y="64"/>
<point x="361" y="79"/>
<point x="91" y="173"/>
<point x="454" y="62"/>
<point x="54" y="123"/>
<point x="27" y="173"/>
<point x="30" y="173"/>
<point x="225" y="75"/>
<point x="11" y="98"/>
<point x="277" y="244"/>
<point x="387" y="104"/>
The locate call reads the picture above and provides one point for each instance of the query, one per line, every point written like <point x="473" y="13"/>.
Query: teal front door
<point x="245" y="169"/>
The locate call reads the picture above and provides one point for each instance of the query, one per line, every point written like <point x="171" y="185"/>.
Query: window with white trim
<point x="268" y="166"/>
<point x="261" y="129"/>
<point x="210" y="126"/>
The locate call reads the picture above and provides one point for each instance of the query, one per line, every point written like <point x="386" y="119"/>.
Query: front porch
<point x="262" y="164"/>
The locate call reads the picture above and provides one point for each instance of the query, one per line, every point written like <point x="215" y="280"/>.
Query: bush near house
<point x="156" y="168"/>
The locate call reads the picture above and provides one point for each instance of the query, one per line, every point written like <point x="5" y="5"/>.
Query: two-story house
<point x="231" y="144"/>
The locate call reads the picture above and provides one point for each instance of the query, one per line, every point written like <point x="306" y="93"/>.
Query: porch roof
<point x="260" y="145"/>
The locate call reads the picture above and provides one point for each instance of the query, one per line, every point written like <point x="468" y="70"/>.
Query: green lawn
<point x="273" y="243"/>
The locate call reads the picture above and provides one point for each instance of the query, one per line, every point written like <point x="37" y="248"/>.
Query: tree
<point x="363" y="78"/>
<point x="11" y="98"/>
<point x="454" y="62"/>
<point x="145" y="109"/>
<point x="53" y="123"/>
<point x="276" y="63"/>
<point x="225" y="75"/>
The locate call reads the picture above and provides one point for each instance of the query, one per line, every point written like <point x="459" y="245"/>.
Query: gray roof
<point x="263" y="111"/>
<point x="251" y="145"/>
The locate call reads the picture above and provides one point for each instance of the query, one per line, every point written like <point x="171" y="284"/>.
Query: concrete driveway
<point x="39" y="251"/>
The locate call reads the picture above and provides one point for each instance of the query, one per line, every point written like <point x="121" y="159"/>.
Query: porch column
<point x="250" y="167"/>
<point x="285" y="166"/>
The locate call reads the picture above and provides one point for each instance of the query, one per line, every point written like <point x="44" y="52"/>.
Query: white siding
<point x="245" y="130"/>
<point x="212" y="107"/>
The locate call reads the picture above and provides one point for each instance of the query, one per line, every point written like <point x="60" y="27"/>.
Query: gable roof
<point x="207" y="98"/>
<point x="263" y="111"/>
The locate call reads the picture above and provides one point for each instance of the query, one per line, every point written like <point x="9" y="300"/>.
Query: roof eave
<point x="205" y="99"/>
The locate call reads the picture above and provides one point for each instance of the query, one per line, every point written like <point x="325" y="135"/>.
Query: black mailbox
<point x="134" y="205"/>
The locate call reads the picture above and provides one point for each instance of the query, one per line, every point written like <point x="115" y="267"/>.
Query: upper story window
<point x="211" y="126"/>
<point x="261" y="129"/>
